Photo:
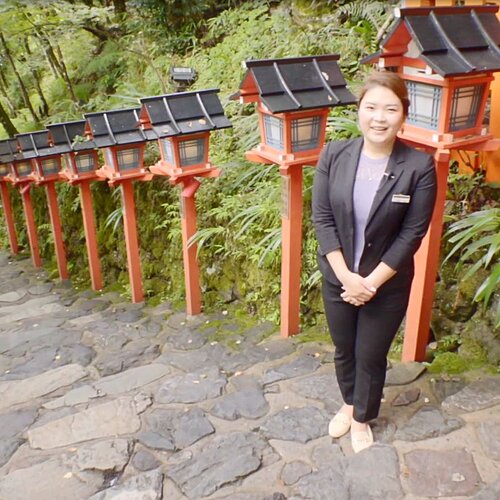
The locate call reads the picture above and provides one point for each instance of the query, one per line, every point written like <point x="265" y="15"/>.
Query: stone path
<point x="103" y="399"/>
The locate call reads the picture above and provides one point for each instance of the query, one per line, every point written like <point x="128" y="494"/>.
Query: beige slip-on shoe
<point x="361" y="440"/>
<point x="339" y="425"/>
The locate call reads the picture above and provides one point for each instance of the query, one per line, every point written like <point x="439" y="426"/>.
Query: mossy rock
<point x="480" y="331"/>
<point x="473" y="352"/>
<point x="448" y="362"/>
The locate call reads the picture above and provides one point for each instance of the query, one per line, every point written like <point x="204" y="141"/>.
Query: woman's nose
<point x="379" y="115"/>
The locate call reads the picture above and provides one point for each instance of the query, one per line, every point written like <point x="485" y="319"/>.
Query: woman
<point x="373" y="199"/>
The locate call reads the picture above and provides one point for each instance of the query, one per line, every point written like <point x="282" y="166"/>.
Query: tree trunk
<point x="66" y="76"/>
<point x="24" y="92"/>
<point x="7" y="124"/>
<point x="36" y="79"/>
<point x="3" y="90"/>
<point x="120" y="7"/>
<point x="58" y="64"/>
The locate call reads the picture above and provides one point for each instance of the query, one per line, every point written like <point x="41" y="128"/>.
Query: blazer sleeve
<point x="322" y="215"/>
<point x="416" y="220"/>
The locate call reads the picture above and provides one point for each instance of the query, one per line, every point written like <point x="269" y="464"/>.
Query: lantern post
<point x="118" y="134"/>
<point x="182" y="123"/>
<point x="79" y="168"/>
<point x="293" y="98"/>
<point x="7" y="151"/>
<point x="35" y="146"/>
<point x="21" y="170"/>
<point x="447" y="56"/>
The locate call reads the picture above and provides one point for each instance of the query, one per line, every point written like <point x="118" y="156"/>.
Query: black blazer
<point x="394" y="229"/>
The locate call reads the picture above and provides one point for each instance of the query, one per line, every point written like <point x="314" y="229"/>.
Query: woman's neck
<point x="376" y="151"/>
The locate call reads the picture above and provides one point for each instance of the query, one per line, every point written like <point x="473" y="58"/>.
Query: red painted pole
<point x="90" y="235"/>
<point x="55" y="219"/>
<point x="30" y="225"/>
<point x="191" y="268"/>
<point x="291" y="227"/>
<point x="9" y="219"/>
<point x="418" y="317"/>
<point x="131" y="240"/>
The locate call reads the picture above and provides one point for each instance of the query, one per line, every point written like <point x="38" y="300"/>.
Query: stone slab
<point x="144" y="460"/>
<point x="49" y="480"/>
<point x="476" y="396"/>
<point x="222" y="461"/>
<point x="242" y="404"/>
<point x="404" y="373"/>
<point x="21" y="391"/>
<point x="489" y="492"/>
<point x="428" y="422"/>
<point x="146" y="486"/>
<point x="382" y="481"/>
<point x="108" y="455"/>
<point x="489" y="437"/>
<point x="301" y="365"/>
<point x="114" y="418"/>
<point x="321" y="387"/>
<point x="433" y="473"/>
<point x="192" y="387"/>
<point x="324" y="484"/>
<point x="296" y="424"/>
<point x="8" y="447"/>
<point x="112" y="385"/>
<point x="293" y="471"/>
<point x="183" y="428"/>
<point x="13" y="296"/>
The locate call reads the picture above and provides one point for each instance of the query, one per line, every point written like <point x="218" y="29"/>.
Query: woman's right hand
<point x="357" y="290"/>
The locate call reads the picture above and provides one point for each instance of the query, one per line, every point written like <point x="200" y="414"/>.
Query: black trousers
<point x="362" y="337"/>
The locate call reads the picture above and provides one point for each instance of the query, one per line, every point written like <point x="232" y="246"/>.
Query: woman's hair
<point x="389" y="80"/>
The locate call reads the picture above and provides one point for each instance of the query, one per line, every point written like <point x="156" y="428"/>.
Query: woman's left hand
<point x="357" y="298"/>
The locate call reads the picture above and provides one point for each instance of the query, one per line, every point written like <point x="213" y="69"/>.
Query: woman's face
<point x="380" y="117"/>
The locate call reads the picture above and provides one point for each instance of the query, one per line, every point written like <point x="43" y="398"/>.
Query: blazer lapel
<point x="345" y="190"/>
<point x="392" y="172"/>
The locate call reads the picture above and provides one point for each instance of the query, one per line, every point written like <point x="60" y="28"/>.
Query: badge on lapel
<point x="401" y="198"/>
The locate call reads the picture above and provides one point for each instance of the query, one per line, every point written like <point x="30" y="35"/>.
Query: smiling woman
<point x="372" y="202"/>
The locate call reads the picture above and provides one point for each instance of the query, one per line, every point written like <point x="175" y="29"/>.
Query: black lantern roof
<point x="8" y="151"/>
<point x="295" y="84"/>
<point x="117" y="127"/>
<point x="451" y="40"/>
<point x="35" y="144"/>
<point x="185" y="113"/>
<point x="64" y="135"/>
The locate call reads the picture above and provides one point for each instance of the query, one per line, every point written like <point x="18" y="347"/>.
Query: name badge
<point x="401" y="198"/>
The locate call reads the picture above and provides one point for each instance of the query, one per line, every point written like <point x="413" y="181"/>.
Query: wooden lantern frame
<point x="450" y="48"/>
<point x="292" y="89"/>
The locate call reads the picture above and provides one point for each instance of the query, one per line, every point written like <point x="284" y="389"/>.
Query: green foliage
<point x="477" y="238"/>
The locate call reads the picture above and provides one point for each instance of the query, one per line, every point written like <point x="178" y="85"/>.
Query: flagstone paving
<point x="106" y="400"/>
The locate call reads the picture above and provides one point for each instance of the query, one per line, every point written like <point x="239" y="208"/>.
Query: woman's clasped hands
<point x="357" y="290"/>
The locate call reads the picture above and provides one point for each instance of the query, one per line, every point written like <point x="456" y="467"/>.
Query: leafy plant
<point x="477" y="238"/>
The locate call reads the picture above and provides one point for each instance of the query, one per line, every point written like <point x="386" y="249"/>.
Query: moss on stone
<point x="448" y="362"/>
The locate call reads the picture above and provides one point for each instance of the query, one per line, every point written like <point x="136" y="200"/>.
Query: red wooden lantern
<point x="293" y="97"/>
<point x="182" y="123"/>
<point x="80" y="155"/>
<point x="7" y="151"/>
<point x="80" y="165"/>
<point x="47" y="165"/>
<point x="46" y="162"/>
<point x="21" y="176"/>
<point x="119" y="134"/>
<point x="447" y="55"/>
